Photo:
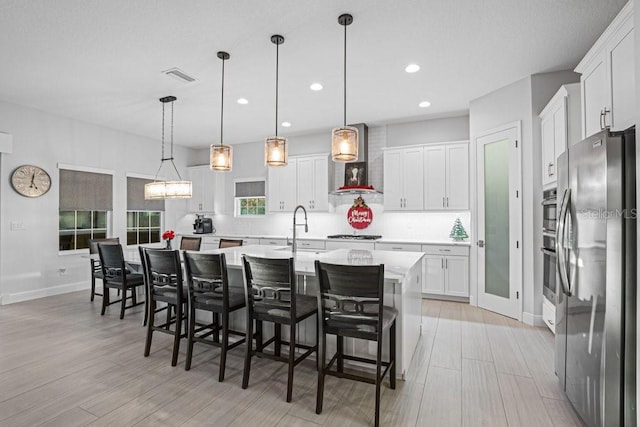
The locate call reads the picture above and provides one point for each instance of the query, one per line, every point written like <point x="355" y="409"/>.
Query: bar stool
<point x="96" y="268"/>
<point x="116" y="276"/>
<point x="270" y="295"/>
<point x="350" y="304"/>
<point x="229" y="243"/>
<point x="164" y="274"/>
<point x="208" y="290"/>
<point x="190" y="243"/>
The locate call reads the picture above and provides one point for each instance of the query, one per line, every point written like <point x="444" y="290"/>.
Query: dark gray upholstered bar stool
<point x="271" y="296"/>
<point x="96" y="268"/>
<point x="116" y="276"/>
<point x="350" y="304"/>
<point x="188" y="243"/>
<point x="164" y="274"/>
<point x="208" y="290"/>
<point x="229" y="243"/>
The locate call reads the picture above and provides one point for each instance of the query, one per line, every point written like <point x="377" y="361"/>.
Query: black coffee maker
<point x="202" y="225"/>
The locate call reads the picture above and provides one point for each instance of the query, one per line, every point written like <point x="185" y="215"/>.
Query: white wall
<point x="520" y="101"/>
<point x="426" y="131"/>
<point x="29" y="259"/>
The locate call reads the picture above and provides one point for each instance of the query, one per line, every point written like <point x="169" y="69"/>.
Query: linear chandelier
<point x="179" y="189"/>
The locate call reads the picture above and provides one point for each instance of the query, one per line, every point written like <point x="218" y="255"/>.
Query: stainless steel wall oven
<point x="549" y="214"/>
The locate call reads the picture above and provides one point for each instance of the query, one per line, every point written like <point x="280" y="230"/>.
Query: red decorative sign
<point x="359" y="215"/>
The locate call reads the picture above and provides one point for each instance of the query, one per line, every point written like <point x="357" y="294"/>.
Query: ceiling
<point x="101" y="61"/>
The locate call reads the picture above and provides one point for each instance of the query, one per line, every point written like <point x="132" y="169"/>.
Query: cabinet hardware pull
<point x="396" y="248"/>
<point x="443" y="202"/>
<point x="446" y="263"/>
<point x="441" y="262"/>
<point x="604" y="118"/>
<point x="445" y="250"/>
<point x="447" y="202"/>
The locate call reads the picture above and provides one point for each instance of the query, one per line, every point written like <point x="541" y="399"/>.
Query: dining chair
<point x="208" y="290"/>
<point x="271" y="296"/>
<point x="116" y="276"/>
<point x="229" y="243"/>
<point x="188" y="243"/>
<point x="351" y="304"/>
<point x="96" y="268"/>
<point x="165" y="285"/>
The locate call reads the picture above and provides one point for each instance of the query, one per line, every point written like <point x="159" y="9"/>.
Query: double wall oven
<point x="549" y="213"/>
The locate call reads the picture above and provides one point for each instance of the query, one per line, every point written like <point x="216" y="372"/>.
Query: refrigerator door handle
<point x="562" y="262"/>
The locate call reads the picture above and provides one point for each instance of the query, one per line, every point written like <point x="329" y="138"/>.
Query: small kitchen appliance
<point x="202" y="225"/>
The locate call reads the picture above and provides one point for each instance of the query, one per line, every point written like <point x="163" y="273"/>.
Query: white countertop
<point x="396" y="264"/>
<point x="305" y="237"/>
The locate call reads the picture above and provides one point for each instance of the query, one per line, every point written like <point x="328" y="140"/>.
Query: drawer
<point x="341" y="244"/>
<point x="250" y="241"/>
<point x="549" y="314"/>
<point x="310" y="244"/>
<point x="445" y="250"/>
<point x="403" y="247"/>
<point x="274" y="242"/>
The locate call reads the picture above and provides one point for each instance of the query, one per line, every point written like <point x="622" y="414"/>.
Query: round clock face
<point x="30" y="181"/>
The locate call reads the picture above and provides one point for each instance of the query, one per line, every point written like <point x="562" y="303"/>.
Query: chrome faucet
<point x="306" y="227"/>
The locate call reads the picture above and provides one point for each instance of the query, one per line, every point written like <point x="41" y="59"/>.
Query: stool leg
<point x="340" y="349"/>
<point x="378" y="379"/>
<point x="278" y="333"/>
<point x="93" y="285"/>
<point x="259" y="341"/>
<point x="176" y="336"/>
<point x="146" y="306"/>
<point x="322" y="352"/>
<point x="152" y="316"/>
<point x="392" y="354"/>
<point x="247" y="355"/>
<point x="105" y="300"/>
<point x="123" y="302"/>
<point x="191" y="327"/>
<point x="292" y="358"/>
<point x="225" y="345"/>
<point x="216" y="325"/>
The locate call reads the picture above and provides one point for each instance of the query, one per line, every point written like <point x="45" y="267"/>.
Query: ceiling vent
<point x="178" y="74"/>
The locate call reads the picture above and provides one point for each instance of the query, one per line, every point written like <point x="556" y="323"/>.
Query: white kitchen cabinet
<point x="560" y="127"/>
<point x="402" y="247"/>
<point x="313" y="182"/>
<point x="274" y="242"/>
<point x="208" y="190"/>
<point x="310" y="244"/>
<point x="403" y="181"/>
<point x="607" y="77"/>
<point x="281" y="196"/>
<point x="349" y="244"/>
<point x="446" y="176"/>
<point x="446" y="270"/>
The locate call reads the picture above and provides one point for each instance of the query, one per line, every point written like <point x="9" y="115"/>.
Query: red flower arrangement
<point x="168" y="235"/>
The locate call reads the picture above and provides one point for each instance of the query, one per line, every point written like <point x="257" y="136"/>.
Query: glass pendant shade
<point x="344" y="144"/>
<point x="275" y="151"/>
<point x="168" y="190"/>
<point x="221" y="158"/>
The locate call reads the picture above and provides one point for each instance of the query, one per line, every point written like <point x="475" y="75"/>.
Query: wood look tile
<point x="442" y="398"/>
<point x="447" y="346"/>
<point x="522" y="403"/>
<point x="482" y="403"/>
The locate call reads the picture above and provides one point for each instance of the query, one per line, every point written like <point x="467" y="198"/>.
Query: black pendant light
<point x="221" y="156"/>
<point x="167" y="189"/>
<point x="275" y="147"/>
<point x="344" y="139"/>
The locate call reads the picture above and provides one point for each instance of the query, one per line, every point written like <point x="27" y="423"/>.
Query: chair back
<point x="190" y="243"/>
<point x="270" y="285"/>
<point x="350" y="297"/>
<point x="112" y="262"/>
<point x="164" y="274"/>
<point x="229" y="243"/>
<point x="206" y="278"/>
<point x="93" y="243"/>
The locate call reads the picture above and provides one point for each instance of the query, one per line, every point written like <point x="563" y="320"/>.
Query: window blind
<point x="250" y="189"/>
<point x="85" y="191"/>
<point x="135" y="196"/>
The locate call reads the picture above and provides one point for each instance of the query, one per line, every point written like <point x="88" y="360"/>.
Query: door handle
<point x="601" y="119"/>
<point x="562" y="262"/>
<point x="550" y="169"/>
<point x="604" y="118"/>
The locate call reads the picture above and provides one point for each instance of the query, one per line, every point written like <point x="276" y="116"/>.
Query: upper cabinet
<point x="607" y="78"/>
<point x="403" y="182"/>
<point x="429" y="177"/>
<point x="560" y="126"/>
<point x="281" y="196"/>
<point x="208" y="190"/>
<point x="313" y="182"/>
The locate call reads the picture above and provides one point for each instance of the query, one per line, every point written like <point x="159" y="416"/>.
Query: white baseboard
<point x="533" y="319"/>
<point x="41" y="293"/>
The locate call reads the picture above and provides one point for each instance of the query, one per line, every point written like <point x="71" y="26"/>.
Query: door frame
<point x="515" y="255"/>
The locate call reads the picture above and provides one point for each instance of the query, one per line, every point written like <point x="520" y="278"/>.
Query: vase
<point x="169" y="244"/>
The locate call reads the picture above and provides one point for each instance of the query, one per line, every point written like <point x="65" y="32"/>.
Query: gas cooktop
<point x="354" y="237"/>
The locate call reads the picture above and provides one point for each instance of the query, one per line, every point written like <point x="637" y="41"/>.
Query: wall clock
<point x="30" y="181"/>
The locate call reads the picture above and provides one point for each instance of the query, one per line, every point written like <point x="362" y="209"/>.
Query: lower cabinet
<point x="351" y="244"/>
<point x="446" y="270"/>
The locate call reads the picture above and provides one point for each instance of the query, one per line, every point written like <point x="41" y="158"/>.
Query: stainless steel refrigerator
<point x="596" y="299"/>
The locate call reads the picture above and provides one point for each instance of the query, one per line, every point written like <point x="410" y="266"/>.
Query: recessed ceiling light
<point x="412" y="68"/>
<point x="315" y="86"/>
<point x="424" y="104"/>
<point x="243" y="101"/>
<point x="286" y="124"/>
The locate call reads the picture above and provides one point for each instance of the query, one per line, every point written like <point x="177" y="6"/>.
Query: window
<point x="250" y="198"/>
<point x="144" y="217"/>
<point x="86" y="200"/>
<point x="77" y="227"/>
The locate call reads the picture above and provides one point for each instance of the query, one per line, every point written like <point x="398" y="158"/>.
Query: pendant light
<point x="275" y="147"/>
<point x="167" y="189"/>
<point x="221" y="156"/>
<point x="344" y="139"/>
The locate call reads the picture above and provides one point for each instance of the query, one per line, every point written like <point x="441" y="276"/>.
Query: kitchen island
<point x="402" y="286"/>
